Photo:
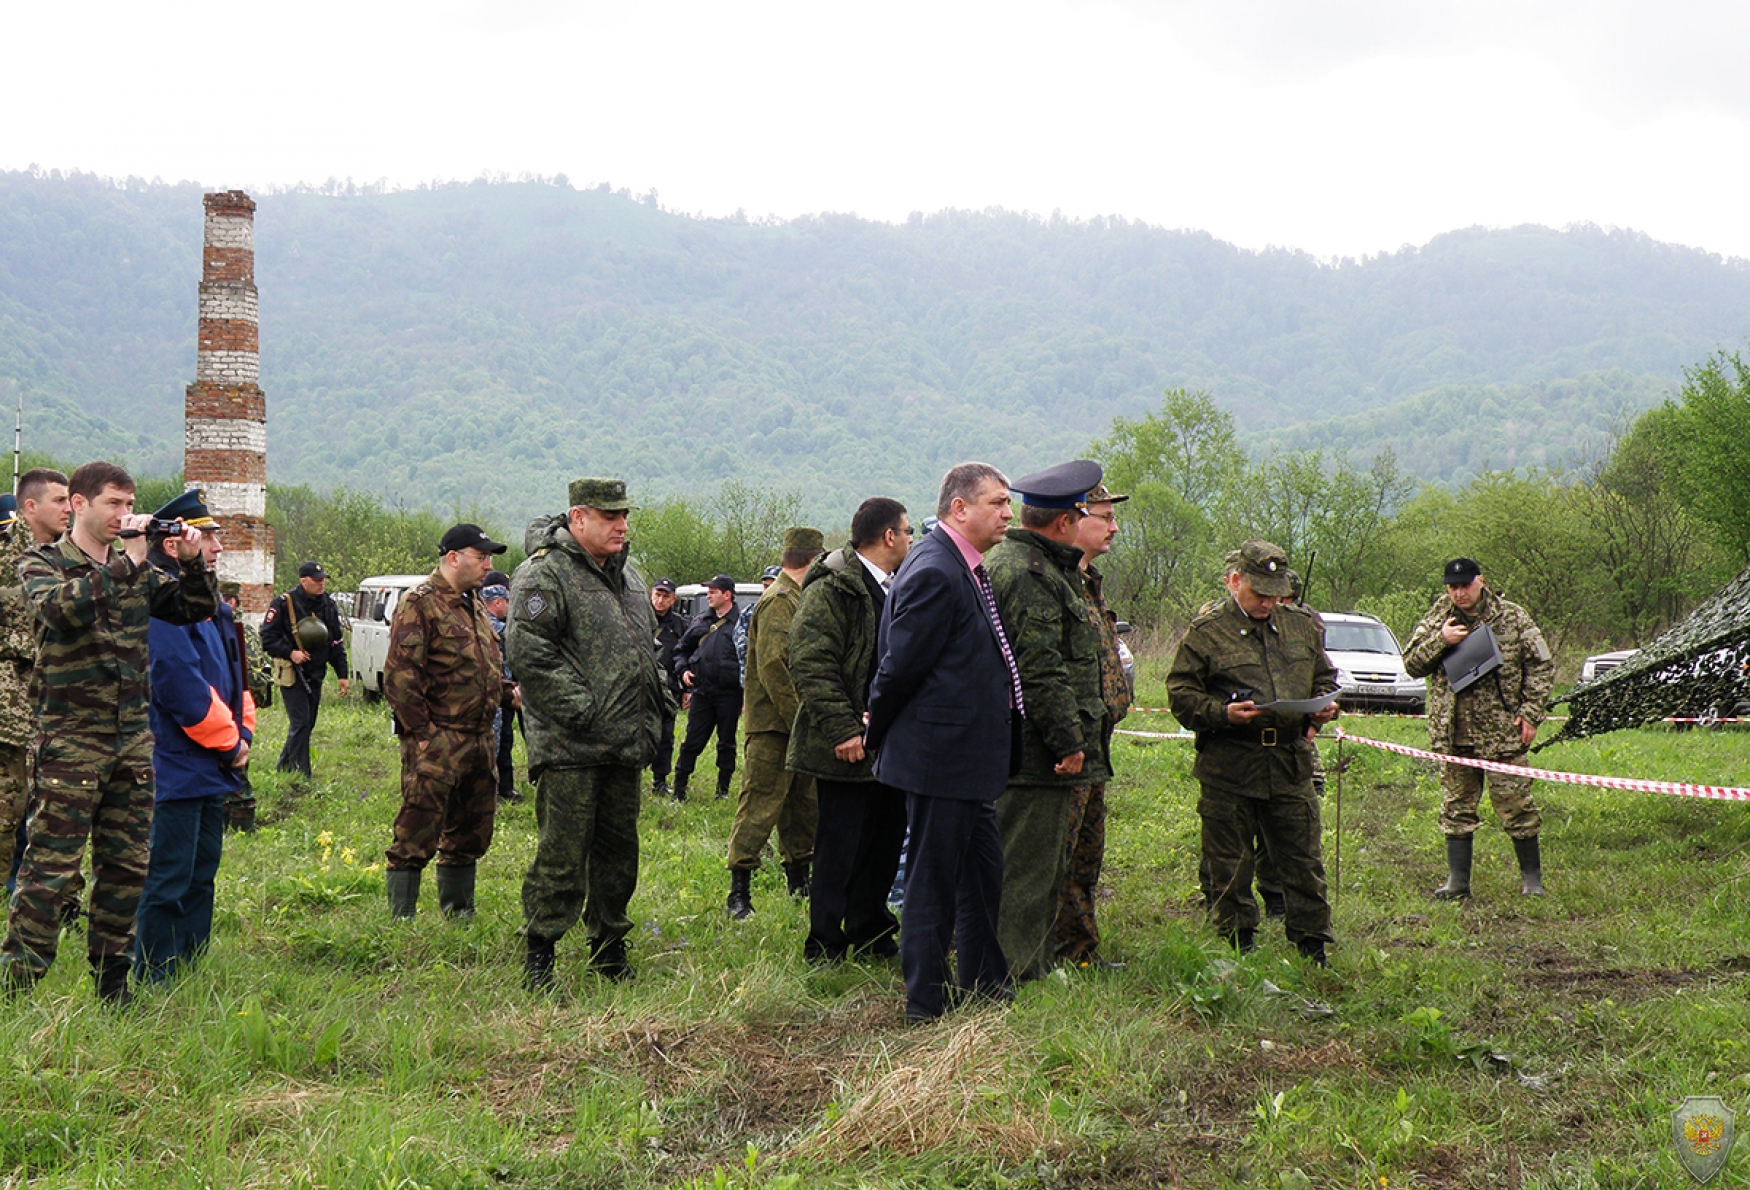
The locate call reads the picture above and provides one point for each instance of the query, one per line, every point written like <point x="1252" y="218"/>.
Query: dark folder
<point x="1472" y="658"/>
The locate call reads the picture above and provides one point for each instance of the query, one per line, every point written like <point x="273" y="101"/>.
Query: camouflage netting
<point x="1699" y="668"/>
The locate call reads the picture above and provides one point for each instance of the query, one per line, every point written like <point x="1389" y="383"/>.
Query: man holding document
<point x="1252" y="680"/>
<point x="1489" y="677"/>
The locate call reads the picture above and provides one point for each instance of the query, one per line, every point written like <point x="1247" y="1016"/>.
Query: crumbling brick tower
<point x="225" y="416"/>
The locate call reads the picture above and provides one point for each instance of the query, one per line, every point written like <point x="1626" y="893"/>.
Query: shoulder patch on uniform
<point x="535" y="604"/>
<point x="1035" y="559"/>
<point x="268" y="617"/>
<point x="1539" y="646"/>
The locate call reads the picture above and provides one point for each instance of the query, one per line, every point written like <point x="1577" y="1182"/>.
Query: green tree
<point x="1708" y="438"/>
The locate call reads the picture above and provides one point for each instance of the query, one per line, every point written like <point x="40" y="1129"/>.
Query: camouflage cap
<point x="231" y="589"/>
<point x="604" y="495"/>
<point x="799" y="538"/>
<point x="1266" y="566"/>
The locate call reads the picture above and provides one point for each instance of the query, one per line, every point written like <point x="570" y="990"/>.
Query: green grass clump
<point x="1505" y="1042"/>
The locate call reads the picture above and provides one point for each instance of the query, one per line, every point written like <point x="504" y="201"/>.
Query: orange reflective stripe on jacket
<point x="218" y="730"/>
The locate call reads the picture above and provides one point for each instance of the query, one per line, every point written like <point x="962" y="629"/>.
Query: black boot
<point x="680" y="786"/>
<point x="1458" y="856"/>
<point x="796" y="875"/>
<point x="723" y="785"/>
<point x="1244" y="941"/>
<point x="1530" y="867"/>
<point x="659" y="787"/>
<point x="609" y="961"/>
<point x="1275" y="904"/>
<point x="403" y="884"/>
<point x="110" y="974"/>
<point x="455" y="886"/>
<point x="538" y="964"/>
<point x="1312" y="949"/>
<point x="740" y="903"/>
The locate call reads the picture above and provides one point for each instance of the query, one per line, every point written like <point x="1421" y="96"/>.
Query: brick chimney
<point x="225" y="415"/>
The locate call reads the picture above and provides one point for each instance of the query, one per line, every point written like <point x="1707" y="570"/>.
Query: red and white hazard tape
<point x="1710" y="721"/>
<point x="1674" y="788"/>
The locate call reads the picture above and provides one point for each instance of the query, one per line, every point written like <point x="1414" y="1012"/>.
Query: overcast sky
<point x="1339" y="128"/>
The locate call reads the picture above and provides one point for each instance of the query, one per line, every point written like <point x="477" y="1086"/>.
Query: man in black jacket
<point x="670" y="627"/>
<point x="710" y="672"/>
<point x="309" y="651"/>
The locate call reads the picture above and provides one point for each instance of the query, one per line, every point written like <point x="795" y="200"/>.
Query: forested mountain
<point x="482" y="343"/>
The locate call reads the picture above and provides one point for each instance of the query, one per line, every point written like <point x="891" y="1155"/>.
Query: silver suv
<point x="1370" y="665"/>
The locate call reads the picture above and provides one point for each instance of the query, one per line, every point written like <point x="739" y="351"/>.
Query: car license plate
<point x="1376" y="691"/>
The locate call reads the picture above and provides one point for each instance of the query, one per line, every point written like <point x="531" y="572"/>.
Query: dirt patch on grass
<point x="1558" y="973"/>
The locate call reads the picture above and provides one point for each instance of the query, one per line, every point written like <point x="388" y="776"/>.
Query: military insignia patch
<point x="535" y="605"/>
<point x="1702" y="1130"/>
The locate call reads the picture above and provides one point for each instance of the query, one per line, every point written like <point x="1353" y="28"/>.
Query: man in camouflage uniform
<point x="42" y="518"/>
<point x="582" y="642"/>
<point x="91" y="767"/>
<point x="861" y="823"/>
<point x="771" y="795"/>
<point x="443" y="677"/>
<point x="1495" y="718"/>
<point x="1254" y="763"/>
<point x="1077" y="934"/>
<point x="17" y="659"/>
<point x="1036" y="574"/>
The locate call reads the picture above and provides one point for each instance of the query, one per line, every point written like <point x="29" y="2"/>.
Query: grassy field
<point x="1504" y="1043"/>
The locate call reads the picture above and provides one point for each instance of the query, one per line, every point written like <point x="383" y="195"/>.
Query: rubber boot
<point x="609" y="961"/>
<point x="796" y="876"/>
<point x="740" y="902"/>
<point x="723" y="785"/>
<point x="110" y="975"/>
<point x="680" y="786"/>
<point x="403" y="884"/>
<point x="1244" y="941"/>
<point x="1530" y="867"/>
<point x="538" y="964"/>
<point x="455" y="886"/>
<point x="1458" y="856"/>
<point x="1313" y="950"/>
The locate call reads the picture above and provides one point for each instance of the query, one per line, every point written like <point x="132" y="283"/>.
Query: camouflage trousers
<point x="82" y="788"/>
<point x="1078" y="933"/>
<point x="14" y="794"/>
<point x="1461" y="790"/>
<point x="1292" y="834"/>
<point x="586" y="856"/>
<point x="449" y="791"/>
<point x="1034" y="823"/>
<point x="240" y="806"/>
<point x="772" y="797"/>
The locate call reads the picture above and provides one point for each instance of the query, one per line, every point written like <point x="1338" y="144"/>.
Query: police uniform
<point x="283" y="632"/>
<point x="1256" y="777"/>
<point x="1039" y="595"/>
<point x="670" y="627"/>
<point x="708" y="652"/>
<point x="1483" y="721"/>
<point x="443" y="677"/>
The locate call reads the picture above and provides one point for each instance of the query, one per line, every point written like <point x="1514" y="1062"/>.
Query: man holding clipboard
<point x="1489" y="676"/>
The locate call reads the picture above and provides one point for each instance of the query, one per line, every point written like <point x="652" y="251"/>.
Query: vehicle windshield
<point x="1360" y="638"/>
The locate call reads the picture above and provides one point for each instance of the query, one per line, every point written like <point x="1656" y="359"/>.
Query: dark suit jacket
<point x="939" y="705"/>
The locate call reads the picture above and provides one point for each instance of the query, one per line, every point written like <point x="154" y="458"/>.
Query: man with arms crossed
<point x="946" y="694"/>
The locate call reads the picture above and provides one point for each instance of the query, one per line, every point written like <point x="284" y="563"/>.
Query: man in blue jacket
<point x="203" y="718"/>
<point x="943" y="715"/>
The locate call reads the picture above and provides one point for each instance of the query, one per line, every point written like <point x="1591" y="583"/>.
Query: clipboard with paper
<point x="1476" y="656"/>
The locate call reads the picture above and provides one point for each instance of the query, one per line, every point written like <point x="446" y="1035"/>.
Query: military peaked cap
<point x="1064" y="486"/>
<point x="604" y="495"/>
<point x="190" y="508"/>
<point x="8" y="510"/>
<point x="1099" y="495"/>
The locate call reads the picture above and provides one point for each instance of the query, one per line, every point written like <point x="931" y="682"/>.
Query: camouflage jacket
<point x="443" y="668"/>
<point x="582" y="643"/>
<point x="1226" y="654"/>
<point x="257" y="665"/>
<point x="832" y="658"/>
<point x="1038" y="586"/>
<point x="1113" y="688"/>
<point x="1482" y="716"/>
<point x="769" y="697"/>
<point x="17" y="643"/>
<point x="91" y="676"/>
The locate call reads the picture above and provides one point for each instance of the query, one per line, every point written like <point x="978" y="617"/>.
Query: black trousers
<point x="506" y="774"/>
<point x="857" y="841"/>
<point x="301" y="711"/>
<point x="711" y="711"/>
<point x="659" y="768"/>
<point x="953" y="883"/>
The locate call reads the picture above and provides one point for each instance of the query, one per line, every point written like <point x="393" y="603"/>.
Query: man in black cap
<point x="443" y="677"/>
<point x="1254" y="761"/>
<point x="709" y="670"/>
<point x="1493" y="718"/>
<point x="670" y="627"/>
<point x="1035" y="571"/>
<point x="301" y="631"/>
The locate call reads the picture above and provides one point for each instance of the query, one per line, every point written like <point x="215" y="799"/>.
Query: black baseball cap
<point x="1461" y="572"/>
<point x="469" y="537"/>
<point x="664" y="584"/>
<point x="722" y="582"/>
<point x="312" y="570"/>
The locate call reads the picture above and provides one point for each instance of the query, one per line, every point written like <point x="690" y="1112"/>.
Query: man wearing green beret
<point x="582" y="642"/>
<point x="771" y="796"/>
<point x="1239" y="657"/>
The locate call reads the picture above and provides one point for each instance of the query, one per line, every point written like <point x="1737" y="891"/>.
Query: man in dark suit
<point x="942" y="714"/>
